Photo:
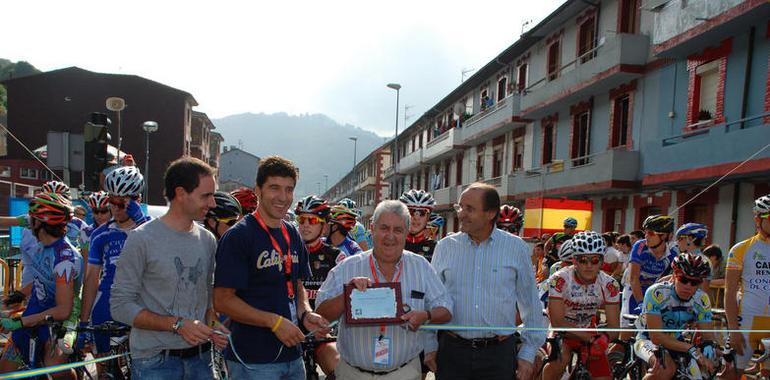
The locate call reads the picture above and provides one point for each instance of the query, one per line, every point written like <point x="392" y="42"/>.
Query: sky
<point x="330" y="57"/>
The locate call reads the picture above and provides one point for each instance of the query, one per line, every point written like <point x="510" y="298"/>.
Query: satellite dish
<point x="116" y="104"/>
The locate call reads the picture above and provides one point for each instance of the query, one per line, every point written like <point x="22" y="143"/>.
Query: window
<point x="586" y="40"/>
<point x="28" y="173"/>
<point x="628" y="21"/>
<point x="480" y="162"/>
<point x="420" y="139"/>
<point x="447" y="166"/>
<point x="523" y="72"/>
<point x="5" y="171"/>
<point x="548" y="142"/>
<point x="502" y="85"/>
<point x="613" y="219"/>
<point x="621" y="120"/>
<point x="554" y="60"/>
<point x="581" y="125"/>
<point x="497" y="161"/>
<point x="485" y="100"/>
<point x="708" y="76"/>
<point x="518" y="153"/>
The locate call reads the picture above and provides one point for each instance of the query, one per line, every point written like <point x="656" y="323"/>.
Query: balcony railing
<point x="480" y="126"/>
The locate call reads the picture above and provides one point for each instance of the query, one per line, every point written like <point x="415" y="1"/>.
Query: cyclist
<point x="247" y="198"/>
<point x="56" y="280"/>
<point x="748" y="266"/>
<point x="341" y="220"/>
<point x="565" y="259"/>
<point x="575" y="294"/>
<point x="420" y="204"/>
<point x="570" y="224"/>
<point x="312" y="213"/>
<point x="690" y="238"/>
<point x="650" y="260"/>
<point x="124" y="186"/>
<point x="552" y="252"/>
<point x="674" y="305"/>
<point x="435" y="222"/>
<point x="511" y="219"/>
<point x="75" y="224"/>
<point x="358" y="233"/>
<point x="226" y="213"/>
<point x="100" y="209"/>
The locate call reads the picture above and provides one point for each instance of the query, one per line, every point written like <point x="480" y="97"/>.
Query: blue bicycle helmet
<point x="696" y="230"/>
<point x="570" y="222"/>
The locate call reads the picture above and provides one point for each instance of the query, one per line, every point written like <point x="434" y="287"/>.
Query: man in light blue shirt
<point x="488" y="273"/>
<point x="385" y="352"/>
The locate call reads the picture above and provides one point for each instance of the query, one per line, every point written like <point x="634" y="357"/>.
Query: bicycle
<point x="626" y="365"/>
<point x="308" y="355"/>
<point x="576" y="371"/>
<point x="120" y="368"/>
<point x="764" y="374"/>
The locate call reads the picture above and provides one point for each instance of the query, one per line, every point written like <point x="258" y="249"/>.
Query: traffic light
<point x="96" y="137"/>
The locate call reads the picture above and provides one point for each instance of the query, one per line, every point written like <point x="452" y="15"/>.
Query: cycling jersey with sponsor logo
<point x="650" y="270"/>
<point x="661" y="299"/>
<point x="581" y="300"/>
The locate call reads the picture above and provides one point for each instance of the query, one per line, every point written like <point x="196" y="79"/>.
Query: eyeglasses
<point x="418" y="212"/>
<point x="585" y="260"/>
<point x="229" y="221"/>
<point x="310" y="219"/>
<point x="690" y="281"/>
<point x="101" y="210"/>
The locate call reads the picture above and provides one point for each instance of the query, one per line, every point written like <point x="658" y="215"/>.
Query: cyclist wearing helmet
<point x="247" y="198"/>
<point x="100" y="209"/>
<point x="124" y="187"/>
<point x="358" y="233"/>
<point x="748" y="268"/>
<point x="566" y="252"/>
<point x="420" y="204"/>
<point x="575" y="294"/>
<point x="552" y="255"/>
<point x="511" y="219"/>
<point x="56" y="279"/>
<point x="690" y="238"/>
<point x="312" y="214"/>
<point x="75" y="225"/>
<point x="674" y="305"/>
<point x="342" y="219"/>
<point x="220" y="218"/>
<point x="435" y="222"/>
<point x="650" y="259"/>
<point x="570" y="224"/>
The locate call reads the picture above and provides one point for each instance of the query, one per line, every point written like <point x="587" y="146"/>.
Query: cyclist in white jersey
<point x="748" y="273"/>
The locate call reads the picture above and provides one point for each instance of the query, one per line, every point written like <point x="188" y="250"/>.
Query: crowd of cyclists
<point x="657" y="283"/>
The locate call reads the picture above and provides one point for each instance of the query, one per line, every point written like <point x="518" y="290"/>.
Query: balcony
<point x="367" y="211"/>
<point x="367" y="182"/>
<point x="619" y="59"/>
<point x="446" y="197"/>
<point x="492" y="122"/>
<point x="389" y="172"/>
<point x="411" y="161"/>
<point x="681" y="30"/>
<point x="449" y="143"/>
<point x="610" y="170"/>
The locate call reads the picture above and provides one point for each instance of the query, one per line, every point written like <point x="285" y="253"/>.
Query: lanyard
<point x="277" y="247"/>
<point x="377" y="281"/>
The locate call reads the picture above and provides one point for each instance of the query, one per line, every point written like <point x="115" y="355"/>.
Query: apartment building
<point x="365" y="184"/>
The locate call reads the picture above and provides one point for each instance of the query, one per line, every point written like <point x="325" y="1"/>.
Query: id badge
<point x="382" y="351"/>
<point x="293" y="310"/>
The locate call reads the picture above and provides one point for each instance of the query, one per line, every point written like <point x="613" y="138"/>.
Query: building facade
<point x="62" y="100"/>
<point x="638" y="106"/>
<point x="237" y="168"/>
<point x="365" y="184"/>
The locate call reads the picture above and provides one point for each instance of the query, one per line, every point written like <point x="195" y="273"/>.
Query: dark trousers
<point x="458" y="361"/>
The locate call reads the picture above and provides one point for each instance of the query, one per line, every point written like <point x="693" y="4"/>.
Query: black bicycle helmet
<point x="227" y="207"/>
<point x="689" y="265"/>
<point x="659" y="223"/>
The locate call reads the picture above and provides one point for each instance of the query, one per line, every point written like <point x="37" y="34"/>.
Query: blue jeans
<point x="293" y="370"/>
<point x="164" y="367"/>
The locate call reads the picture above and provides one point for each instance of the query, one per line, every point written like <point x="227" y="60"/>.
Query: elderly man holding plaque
<point x="381" y="298"/>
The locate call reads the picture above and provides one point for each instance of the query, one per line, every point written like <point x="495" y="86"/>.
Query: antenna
<point x="463" y="72"/>
<point x="525" y="24"/>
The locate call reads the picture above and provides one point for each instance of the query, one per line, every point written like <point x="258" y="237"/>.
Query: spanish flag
<point x="553" y="212"/>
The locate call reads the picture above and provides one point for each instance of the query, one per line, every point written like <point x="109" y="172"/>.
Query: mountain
<point x="317" y="144"/>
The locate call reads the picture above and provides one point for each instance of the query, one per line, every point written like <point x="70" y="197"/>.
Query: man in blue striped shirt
<point x="488" y="273"/>
<point x="385" y="352"/>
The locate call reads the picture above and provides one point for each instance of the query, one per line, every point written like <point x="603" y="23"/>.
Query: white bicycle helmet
<point x="588" y="243"/>
<point x="56" y="187"/>
<point x="762" y="205"/>
<point x="125" y="181"/>
<point x="566" y="251"/>
<point x="418" y="199"/>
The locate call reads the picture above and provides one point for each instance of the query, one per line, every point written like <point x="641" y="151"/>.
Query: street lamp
<point x="397" y="87"/>
<point x="149" y="127"/>
<point x="355" y="143"/>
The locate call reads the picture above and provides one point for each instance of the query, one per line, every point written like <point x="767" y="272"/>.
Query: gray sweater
<point x="168" y="273"/>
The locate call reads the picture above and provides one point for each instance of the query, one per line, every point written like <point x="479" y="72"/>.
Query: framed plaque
<point x="380" y="304"/>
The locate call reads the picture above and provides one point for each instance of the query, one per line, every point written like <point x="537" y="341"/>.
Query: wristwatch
<point x="177" y="325"/>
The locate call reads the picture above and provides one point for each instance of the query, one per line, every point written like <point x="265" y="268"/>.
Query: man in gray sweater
<point x="163" y="283"/>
